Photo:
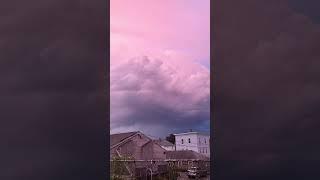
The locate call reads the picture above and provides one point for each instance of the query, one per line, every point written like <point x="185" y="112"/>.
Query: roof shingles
<point x="186" y="154"/>
<point x="117" y="138"/>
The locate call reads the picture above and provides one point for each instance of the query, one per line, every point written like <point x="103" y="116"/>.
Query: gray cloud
<point x="159" y="93"/>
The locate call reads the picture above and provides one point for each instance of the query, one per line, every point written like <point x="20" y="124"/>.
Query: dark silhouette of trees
<point x="171" y="138"/>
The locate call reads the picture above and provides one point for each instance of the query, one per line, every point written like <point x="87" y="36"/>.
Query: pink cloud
<point x="157" y="80"/>
<point x="147" y="91"/>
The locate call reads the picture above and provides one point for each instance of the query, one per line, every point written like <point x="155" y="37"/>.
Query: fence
<point x="159" y="169"/>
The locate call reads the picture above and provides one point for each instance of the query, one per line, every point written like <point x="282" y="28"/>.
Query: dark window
<point x="164" y="152"/>
<point x="189" y="140"/>
<point x="205" y="141"/>
<point x="181" y="141"/>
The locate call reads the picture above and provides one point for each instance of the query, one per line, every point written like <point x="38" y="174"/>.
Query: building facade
<point x="195" y="141"/>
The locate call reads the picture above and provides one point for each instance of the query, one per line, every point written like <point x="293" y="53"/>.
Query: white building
<point x="195" y="141"/>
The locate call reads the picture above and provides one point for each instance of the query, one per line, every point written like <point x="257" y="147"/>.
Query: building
<point x="165" y="144"/>
<point x="195" y="141"/>
<point x="135" y="145"/>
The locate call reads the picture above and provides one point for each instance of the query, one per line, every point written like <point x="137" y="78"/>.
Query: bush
<point x="118" y="168"/>
<point x="172" y="173"/>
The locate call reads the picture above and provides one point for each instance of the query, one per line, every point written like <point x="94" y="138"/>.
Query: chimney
<point x="190" y="130"/>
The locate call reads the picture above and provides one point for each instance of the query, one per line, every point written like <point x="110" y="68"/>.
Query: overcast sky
<point x="160" y="66"/>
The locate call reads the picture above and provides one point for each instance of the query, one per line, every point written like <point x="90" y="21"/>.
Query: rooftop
<point x="163" y="142"/>
<point x="192" y="132"/>
<point x="186" y="154"/>
<point x="117" y="138"/>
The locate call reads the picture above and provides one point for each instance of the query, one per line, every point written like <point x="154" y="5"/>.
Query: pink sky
<point x="160" y="53"/>
<point x="154" y="27"/>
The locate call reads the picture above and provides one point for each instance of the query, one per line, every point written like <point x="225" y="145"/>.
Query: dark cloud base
<point x="53" y="120"/>
<point x="266" y="91"/>
<point x="148" y="92"/>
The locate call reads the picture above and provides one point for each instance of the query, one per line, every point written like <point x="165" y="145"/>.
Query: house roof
<point x="163" y="142"/>
<point x="117" y="138"/>
<point x="192" y="132"/>
<point x="185" y="154"/>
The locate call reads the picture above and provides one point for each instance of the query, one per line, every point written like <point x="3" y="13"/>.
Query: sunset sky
<point x="160" y="66"/>
<point x="266" y="79"/>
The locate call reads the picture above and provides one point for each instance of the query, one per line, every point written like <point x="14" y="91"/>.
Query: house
<point x="195" y="141"/>
<point x="135" y="145"/>
<point x="165" y="144"/>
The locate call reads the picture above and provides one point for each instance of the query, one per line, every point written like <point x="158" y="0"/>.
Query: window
<point x="206" y="150"/>
<point x="181" y="141"/>
<point x="189" y="140"/>
<point x="199" y="141"/>
<point x="205" y="140"/>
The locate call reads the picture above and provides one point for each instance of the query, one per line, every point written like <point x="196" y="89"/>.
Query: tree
<point x="171" y="138"/>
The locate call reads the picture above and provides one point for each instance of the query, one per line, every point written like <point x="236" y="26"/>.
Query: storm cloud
<point x="159" y="74"/>
<point x="266" y="61"/>
<point x="164" y="95"/>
